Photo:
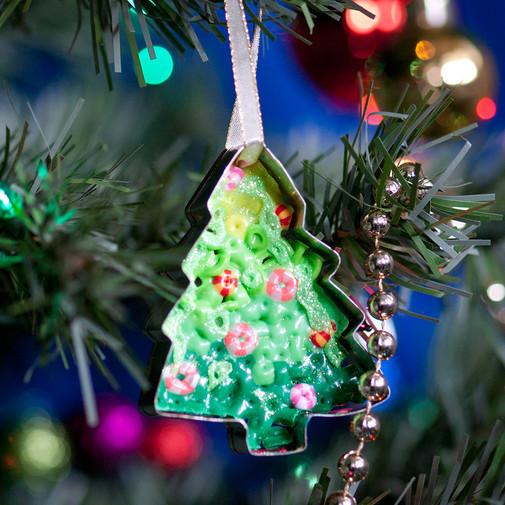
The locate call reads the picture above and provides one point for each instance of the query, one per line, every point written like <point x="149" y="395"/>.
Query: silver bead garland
<point x="382" y="305"/>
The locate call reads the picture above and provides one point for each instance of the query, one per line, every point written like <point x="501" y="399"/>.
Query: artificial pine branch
<point x="476" y="476"/>
<point x="63" y="261"/>
<point x="431" y="231"/>
<point x="69" y="260"/>
<point x="176" y="22"/>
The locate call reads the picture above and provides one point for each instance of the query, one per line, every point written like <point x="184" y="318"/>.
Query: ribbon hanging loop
<point x="243" y="59"/>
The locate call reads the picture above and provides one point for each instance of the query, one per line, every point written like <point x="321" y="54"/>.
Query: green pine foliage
<point x="476" y="475"/>
<point x="431" y="231"/>
<point x="178" y="23"/>
<point x="73" y="253"/>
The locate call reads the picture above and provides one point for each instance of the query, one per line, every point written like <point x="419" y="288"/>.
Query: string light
<point x="390" y="15"/>
<point x="159" y="69"/>
<point x="486" y="108"/>
<point x="496" y="292"/>
<point x="425" y="50"/>
<point x="458" y="72"/>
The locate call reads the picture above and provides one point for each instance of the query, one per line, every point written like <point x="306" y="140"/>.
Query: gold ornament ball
<point x="374" y="386"/>
<point x="381" y="345"/>
<point x="365" y="427"/>
<point x="379" y="264"/>
<point x="352" y="467"/>
<point x="375" y="224"/>
<point x="382" y="305"/>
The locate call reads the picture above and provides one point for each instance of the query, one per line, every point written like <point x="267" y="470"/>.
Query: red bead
<point x="226" y="283"/>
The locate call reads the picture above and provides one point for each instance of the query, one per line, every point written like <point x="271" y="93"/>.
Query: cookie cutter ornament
<point x="273" y="344"/>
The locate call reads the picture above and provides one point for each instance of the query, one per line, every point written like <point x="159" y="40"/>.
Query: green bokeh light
<point x="11" y="203"/>
<point x="423" y="413"/>
<point x="43" y="449"/>
<point x="158" y="70"/>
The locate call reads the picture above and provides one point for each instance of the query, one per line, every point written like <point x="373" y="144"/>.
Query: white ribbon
<point x="246" y="127"/>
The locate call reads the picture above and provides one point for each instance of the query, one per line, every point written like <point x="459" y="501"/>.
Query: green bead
<point x="265" y="350"/>
<point x="263" y="373"/>
<point x="256" y="238"/>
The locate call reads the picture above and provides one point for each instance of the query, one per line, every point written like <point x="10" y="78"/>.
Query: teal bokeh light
<point x="158" y="70"/>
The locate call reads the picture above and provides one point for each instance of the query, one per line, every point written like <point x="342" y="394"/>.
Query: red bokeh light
<point x="372" y="107"/>
<point x="174" y="443"/>
<point x="359" y="22"/>
<point x="390" y="16"/>
<point x="393" y="15"/>
<point x="486" y="108"/>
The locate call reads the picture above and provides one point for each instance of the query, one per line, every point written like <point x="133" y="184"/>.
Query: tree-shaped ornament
<point x="261" y="338"/>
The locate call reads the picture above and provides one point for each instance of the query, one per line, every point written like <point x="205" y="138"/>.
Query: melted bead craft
<point x="261" y="337"/>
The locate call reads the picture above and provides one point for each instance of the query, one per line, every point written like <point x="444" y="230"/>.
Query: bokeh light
<point x="10" y="201"/>
<point x="433" y="75"/>
<point x="425" y="50"/>
<point x="496" y="292"/>
<point x="486" y="108"/>
<point x="374" y="119"/>
<point x="5" y="200"/>
<point x="41" y="448"/>
<point x="158" y="70"/>
<point x="358" y="22"/>
<point x="120" y="431"/>
<point x="393" y="15"/>
<point x="458" y="72"/>
<point x="174" y="443"/>
<point x="361" y="47"/>
<point x="390" y="16"/>
<point x="425" y="58"/>
<point x="436" y="12"/>
<point x="423" y="413"/>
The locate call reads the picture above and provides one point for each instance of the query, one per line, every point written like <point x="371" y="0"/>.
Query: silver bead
<point x="393" y="188"/>
<point x="340" y="498"/>
<point x="365" y="427"/>
<point x="374" y="386"/>
<point x="381" y="345"/>
<point x="382" y="305"/>
<point x="352" y="467"/>
<point x="379" y="264"/>
<point x="424" y="186"/>
<point x="408" y="170"/>
<point x="375" y="224"/>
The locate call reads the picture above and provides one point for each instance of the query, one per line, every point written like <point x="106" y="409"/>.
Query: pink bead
<point x="234" y="176"/>
<point x="303" y="396"/>
<point x="241" y="340"/>
<point x="183" y="386"/>
<point x="281" y="285"/>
